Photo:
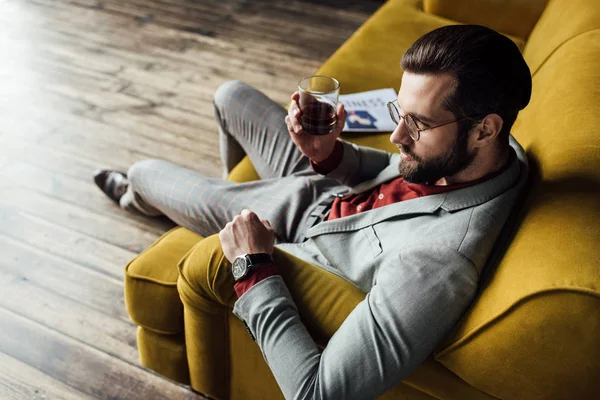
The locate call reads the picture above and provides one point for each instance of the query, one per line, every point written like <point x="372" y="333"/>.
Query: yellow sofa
<point x="534" y="330"/>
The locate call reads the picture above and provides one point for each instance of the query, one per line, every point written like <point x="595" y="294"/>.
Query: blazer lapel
<point x="421" y="205"/>
<point x="390" y="172"/>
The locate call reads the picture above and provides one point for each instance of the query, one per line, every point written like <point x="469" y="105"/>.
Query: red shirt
<point x="389" y="192"/>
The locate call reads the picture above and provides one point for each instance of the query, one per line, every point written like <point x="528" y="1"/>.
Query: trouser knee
<point x="205" y="274"/>
<point x="228" y="91"/>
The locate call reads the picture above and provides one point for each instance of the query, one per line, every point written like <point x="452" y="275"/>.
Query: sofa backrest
<point x="512" y="17"/>
<point x="561" y="22"/>
<point x="533" y="331"/>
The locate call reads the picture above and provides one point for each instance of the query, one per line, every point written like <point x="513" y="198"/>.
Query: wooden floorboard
<point x="78" y="219"/>
<point x="77" y="282"/>
<point x="91" y="371"/>
<point x="68" y="316"/>
<point x="90" y="84"/>
<point x="20" y="381"/>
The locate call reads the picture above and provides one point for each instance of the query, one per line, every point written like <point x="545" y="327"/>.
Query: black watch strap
<point x="260" y="258"/>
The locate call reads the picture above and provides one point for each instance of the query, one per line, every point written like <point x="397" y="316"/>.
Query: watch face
<point x="239" y="267"/>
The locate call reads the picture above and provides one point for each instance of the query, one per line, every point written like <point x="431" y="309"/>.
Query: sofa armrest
<point x="533" y="331"/>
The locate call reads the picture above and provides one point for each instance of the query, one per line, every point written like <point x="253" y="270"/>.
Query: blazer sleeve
<point x="359" y="164"/>
<point x="418" y="298"/>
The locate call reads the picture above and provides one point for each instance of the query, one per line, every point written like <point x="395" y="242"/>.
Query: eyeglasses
<point x="410" y="122"/>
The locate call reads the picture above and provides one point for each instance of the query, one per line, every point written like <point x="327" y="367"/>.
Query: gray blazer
<point x="419" y="262"/>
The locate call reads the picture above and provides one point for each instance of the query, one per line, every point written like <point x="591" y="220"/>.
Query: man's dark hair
<point x="490" y="73"/>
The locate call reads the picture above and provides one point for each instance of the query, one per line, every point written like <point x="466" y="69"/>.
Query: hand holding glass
<point x="318" y="104"/>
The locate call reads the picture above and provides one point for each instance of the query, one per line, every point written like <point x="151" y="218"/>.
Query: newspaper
<point x="367" y="111"/>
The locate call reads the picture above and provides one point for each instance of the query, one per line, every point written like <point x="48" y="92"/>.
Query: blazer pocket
<point x="373" y="240"/>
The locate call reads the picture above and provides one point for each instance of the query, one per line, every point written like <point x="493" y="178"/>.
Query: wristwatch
<point x="243" y="265"/>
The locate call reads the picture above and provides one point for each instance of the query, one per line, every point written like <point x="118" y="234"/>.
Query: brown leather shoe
<point x="113" y="183"/>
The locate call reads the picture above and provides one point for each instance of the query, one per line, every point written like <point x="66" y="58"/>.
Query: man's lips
<point x="405" y="156"/>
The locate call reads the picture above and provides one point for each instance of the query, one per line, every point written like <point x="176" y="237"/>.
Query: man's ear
<point x="489" y="128"/>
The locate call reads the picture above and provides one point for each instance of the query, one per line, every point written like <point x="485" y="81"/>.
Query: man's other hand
<point x="246" y="234"/>
<point x="315" y="147"/>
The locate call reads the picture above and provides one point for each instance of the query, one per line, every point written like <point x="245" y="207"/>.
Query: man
<point x="412" y="229"/>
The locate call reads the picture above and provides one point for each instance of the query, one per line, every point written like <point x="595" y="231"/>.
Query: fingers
<point x="267" y="224"/>
<point x="293" y="126"/>
<point x="295" y="104"/>
<point x="291" y="120"/>
<point x="341" y="112"/>
<point x="288" y="123"/>
<point x="294" y="113"/>
<point x="249" y="215"/>
<point x="294" y="109"/>
<point x="341" y="119"/>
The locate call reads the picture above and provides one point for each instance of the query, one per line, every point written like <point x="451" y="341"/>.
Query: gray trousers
<point x="249" y="124"/>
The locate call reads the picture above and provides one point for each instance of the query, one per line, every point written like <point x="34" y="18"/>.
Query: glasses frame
<point x="394" y="110"/>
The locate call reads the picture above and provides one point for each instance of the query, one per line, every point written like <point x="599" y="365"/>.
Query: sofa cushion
<point x="513" y="17"/>
<point x="562" y="21"/>
<point x="243" y="172"/>
<point x="151" y="282"/>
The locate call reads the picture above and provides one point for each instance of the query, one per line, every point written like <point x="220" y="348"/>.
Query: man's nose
<point x="400" y="135"/>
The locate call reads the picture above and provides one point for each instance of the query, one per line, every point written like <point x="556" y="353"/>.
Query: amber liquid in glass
<point x="318" y="117"/>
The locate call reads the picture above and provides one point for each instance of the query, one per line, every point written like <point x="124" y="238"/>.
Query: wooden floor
<point x="105" y="83"/>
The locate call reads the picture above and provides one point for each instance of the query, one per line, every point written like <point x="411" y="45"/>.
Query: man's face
<point x="439" y="152"/>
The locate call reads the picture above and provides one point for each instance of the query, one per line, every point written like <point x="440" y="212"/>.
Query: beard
<point x="421" y="170"/>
